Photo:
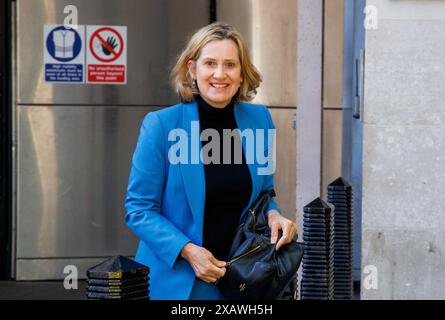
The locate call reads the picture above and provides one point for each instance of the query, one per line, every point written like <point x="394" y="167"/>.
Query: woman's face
<point x="217" y="72"/>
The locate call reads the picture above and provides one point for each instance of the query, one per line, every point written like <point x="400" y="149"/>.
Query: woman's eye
<point x="231" y="65"/>
<point x="210" y="63"/>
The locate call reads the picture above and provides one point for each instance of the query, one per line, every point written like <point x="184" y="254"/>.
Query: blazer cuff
<point x="273" y="205"/>
<point x="175" y="255"/>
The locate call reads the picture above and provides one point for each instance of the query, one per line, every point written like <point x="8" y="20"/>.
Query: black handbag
<point x="255" y="270"/>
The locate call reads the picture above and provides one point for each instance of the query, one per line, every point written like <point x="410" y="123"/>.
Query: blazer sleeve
<point x="144" y="194"/>
<point x="269" y="179"/>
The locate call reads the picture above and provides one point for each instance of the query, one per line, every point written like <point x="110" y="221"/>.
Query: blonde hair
<point x="181" y="79"/>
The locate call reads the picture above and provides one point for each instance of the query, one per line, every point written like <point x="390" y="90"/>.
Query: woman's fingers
<point x="285" y="237"/>
<point x="220" y="266"/>
<point x="275" y="227"/>
<point x="211" y="273"/>
<point x="289" y="230"/>
<point x="217" y="262"/>
<point x="207" y="267"/>
<point x="215" y="271"/>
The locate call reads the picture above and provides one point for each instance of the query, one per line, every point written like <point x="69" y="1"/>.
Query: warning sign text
<point x="106" y="73"/>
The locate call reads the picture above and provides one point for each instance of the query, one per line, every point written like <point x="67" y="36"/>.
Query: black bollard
<point x="318" y="238"/>
<point x="340" y="195"/>
<point x="118" y="278"/>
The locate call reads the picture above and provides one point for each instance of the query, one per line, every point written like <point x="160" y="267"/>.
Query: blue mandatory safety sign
<point x="63" y="59"/>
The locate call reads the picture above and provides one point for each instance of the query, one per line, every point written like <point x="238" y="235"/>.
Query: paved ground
<point x="54" y="290"/>
<point x="40" y="290"/>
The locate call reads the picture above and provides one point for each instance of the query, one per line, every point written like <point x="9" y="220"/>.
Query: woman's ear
<point x="191" y="66"/>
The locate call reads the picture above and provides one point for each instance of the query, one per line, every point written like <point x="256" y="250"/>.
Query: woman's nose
<point x="219" y="72"/>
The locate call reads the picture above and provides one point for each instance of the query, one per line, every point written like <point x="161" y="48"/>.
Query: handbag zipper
<point x="244" y="254"/>
<point x="254" y="216"/>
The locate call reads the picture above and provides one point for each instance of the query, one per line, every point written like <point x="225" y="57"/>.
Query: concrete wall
<point x="309" y="93"/>
<point x="404" y="155"/>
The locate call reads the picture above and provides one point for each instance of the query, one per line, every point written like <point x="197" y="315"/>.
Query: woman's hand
<point x="276" y="223"/>
<point x="205" y="265"/>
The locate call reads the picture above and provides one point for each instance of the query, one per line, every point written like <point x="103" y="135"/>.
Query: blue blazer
<point x="165" y="201"/>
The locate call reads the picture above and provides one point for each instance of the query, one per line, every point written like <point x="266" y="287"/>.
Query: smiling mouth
<point x="219" y="86"/>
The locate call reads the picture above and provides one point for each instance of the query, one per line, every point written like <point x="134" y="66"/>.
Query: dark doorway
<point x="5" y="141"/>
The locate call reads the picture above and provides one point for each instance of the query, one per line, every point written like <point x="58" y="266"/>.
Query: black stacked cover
<point x="118" y="278"/>
<point x="340" y="195"/>
<point x="318" y="238"/>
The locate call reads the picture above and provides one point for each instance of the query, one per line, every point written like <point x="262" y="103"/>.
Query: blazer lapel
<point x="193" y="171"/>
<point x="244" y="122"/>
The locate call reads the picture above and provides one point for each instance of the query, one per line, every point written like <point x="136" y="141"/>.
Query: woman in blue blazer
<point x="182" y="202"/>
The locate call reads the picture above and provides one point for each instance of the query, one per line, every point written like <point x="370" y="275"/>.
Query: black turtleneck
<point x="228" y="186"/>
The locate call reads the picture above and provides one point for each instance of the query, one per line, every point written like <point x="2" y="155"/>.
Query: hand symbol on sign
<point x="111" y="41"/>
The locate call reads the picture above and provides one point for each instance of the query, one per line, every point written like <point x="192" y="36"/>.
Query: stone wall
<point x="403" y="213"/>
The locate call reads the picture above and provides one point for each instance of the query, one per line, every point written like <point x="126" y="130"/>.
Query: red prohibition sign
<point x="115" y="55"/>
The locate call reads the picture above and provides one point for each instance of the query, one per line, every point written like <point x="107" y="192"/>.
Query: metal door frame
<point x="354" y="43"/>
